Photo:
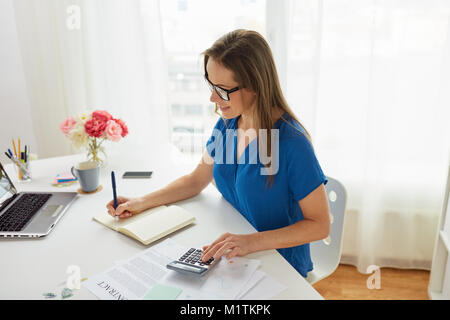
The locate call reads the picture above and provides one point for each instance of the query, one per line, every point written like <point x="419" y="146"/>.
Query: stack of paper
<point x="145" y="276"/>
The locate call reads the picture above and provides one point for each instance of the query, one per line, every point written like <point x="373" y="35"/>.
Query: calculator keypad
<point x="194" y="256"/>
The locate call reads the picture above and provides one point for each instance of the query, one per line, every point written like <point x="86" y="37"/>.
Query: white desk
<point x="30" y="267"/>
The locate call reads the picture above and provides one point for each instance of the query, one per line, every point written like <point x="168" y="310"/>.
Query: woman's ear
<point x="251" y="96"/>
<point x="249" y="93"/>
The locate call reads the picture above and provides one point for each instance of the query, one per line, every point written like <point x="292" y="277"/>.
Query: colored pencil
<point x="14" y="145"/>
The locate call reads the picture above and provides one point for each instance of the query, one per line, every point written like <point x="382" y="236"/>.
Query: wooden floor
<point x="346" y="283"/>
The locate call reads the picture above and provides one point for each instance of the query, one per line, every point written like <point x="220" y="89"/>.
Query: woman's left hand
<point x="233" y="244"/>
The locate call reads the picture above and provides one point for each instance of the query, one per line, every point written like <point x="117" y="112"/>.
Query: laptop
<point x="29" y="214"/>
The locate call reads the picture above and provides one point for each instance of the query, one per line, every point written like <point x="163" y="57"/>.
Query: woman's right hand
<point x="126" y="207"/>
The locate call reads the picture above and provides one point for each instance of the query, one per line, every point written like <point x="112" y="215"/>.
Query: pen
<point x="113" y="181"/>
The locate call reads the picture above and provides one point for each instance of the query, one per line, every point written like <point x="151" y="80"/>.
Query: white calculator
<point x="191" y="263"/>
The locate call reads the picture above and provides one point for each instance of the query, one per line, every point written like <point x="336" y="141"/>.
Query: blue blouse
<point x="242" y="183"/>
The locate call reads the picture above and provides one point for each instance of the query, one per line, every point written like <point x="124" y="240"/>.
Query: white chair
<point x="326" y="253"/>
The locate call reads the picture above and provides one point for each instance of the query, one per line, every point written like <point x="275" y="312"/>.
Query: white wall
<point x="15" y="113"/>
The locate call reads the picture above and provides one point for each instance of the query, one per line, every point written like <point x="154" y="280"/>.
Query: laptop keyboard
<point x="17" y="216"/>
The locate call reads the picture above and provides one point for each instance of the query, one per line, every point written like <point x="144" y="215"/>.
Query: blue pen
<point x="113" y="181"/>
<point x="10" y="152"/>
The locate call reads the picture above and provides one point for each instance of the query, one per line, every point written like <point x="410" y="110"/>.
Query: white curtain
<point x="83" y="55"/>
<point x="371" y="81"/>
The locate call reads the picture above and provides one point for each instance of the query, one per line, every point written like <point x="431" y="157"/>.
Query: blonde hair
<point x="247" y="54"/>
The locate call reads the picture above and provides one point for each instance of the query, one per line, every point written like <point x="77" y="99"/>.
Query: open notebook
<point x="151" y="224"/>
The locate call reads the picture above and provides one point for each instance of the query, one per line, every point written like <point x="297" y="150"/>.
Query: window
<point x="192" y="114"/>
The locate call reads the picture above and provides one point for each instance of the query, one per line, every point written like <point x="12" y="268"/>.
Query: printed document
<point x="133" y="279"/>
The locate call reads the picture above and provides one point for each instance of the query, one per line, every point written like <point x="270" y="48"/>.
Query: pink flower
<point x="113" y="130"/>
<point x="123" y="126"/>
<point x="67" y="125"/>
<point x="95" y="127"/>
<point x="100" y="124"/>
<point x="101" y="115"/>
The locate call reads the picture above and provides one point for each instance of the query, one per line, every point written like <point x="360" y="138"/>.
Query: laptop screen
<point x="7" y="189"/>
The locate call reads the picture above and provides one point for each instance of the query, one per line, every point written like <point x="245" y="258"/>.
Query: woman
<point x="282" y="194"/>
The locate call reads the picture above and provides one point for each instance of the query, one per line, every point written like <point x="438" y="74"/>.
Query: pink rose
<point x="123" y="126"/>
<point x="95" y="127"/>
<point x="113" y="131"/>
<point x="101" y="115"/>
<point x="67" y="125"/>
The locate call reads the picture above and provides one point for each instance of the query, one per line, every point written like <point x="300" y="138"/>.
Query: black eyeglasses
<point x="221" y="92"/>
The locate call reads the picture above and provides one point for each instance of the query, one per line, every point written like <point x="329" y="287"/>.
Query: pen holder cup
<point x="23" y="175"/>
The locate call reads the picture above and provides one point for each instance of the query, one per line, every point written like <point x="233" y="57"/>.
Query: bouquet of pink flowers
<point x="91" y="130"/>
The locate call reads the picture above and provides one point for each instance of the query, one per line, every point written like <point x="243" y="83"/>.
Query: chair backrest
<point x="326" y="253"/>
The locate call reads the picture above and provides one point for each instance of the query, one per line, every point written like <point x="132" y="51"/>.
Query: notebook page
<point x="109" y="221"/>
<point x="160" y="223"/>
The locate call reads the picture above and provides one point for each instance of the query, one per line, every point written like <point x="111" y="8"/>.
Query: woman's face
<point x="241" y="101"/>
